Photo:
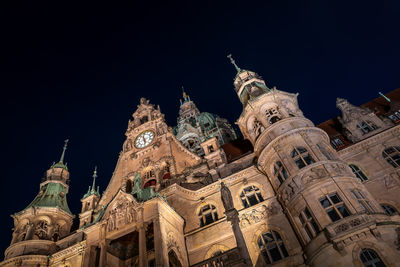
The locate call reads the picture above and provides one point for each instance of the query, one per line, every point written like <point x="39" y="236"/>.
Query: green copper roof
<point x="207" y="120"/>
<point x="51" y="195"/>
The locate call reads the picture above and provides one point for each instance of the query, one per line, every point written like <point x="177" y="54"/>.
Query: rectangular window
<point x="334" y="207"/>
<point x="308" y="223"/>
<point x="363" y="201"/>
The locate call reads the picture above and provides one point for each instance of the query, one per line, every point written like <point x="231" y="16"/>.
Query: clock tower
<point x="150" y="149"/>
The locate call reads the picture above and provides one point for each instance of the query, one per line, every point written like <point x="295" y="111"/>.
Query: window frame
<point x="388" y="156"/>
<point x="280" y="172"/>
<point x="358" y="172"/>
<point x="308" y="223"/>
<point x="363" y="201"/>
<point x="203" y="214"/>
<point x="371" y="254"/>
<point x="265" y="247"/>
<point x="366" y="127"/>
<point x="256" y="192"/>
<point x="387" y="208"/>
<point x="334" y="206"/>
<point x="301" y="157"/>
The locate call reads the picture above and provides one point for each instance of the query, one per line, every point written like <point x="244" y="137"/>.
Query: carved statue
<point x="226" y="197"/>
<point x="258" y="128"/>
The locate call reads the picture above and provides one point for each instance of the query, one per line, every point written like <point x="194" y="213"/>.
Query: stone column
<point x="142" y="240"/>
<point x="161" y="253"/>
<point x="103" y="254"/>
<point x="103" y="246"/>
<point x="232" y="216"/>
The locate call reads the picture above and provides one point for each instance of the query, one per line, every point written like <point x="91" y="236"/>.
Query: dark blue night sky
<point x="77" y="71"/>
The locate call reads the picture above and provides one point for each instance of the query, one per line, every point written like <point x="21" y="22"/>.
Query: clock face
<point x="144" y="139"/>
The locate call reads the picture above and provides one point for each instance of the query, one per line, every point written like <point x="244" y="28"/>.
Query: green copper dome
<point x="51" y="195"/>
<point x="207" y="121"/>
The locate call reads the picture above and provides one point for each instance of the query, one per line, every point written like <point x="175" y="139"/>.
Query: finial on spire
<point x="64" y="148"/>
<point x="233" y="62"/>
<point x="385" y="97"/>
<point x="185" y="96"/>
<point x="94" y="178"/>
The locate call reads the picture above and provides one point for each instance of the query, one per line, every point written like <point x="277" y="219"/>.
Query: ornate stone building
<point x="298" y="195"/>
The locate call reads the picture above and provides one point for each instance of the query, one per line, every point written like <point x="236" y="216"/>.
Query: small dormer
<point x="214" y="154"/>
<point x="359" y="123"/>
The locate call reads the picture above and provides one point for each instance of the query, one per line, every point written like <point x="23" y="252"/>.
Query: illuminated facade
<point x="290" y="194"/>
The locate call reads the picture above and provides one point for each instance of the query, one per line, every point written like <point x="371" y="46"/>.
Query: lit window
<point x="392" y="156"/>
<point x="148" y="174"/>
<point x="280" y="172"/>
<point x="301" y="157"/>
<point x="370" y="258"/>
<point x="366" y="127"/>
<point x="364" y="202"/>
<point x="208" y="214"/>
<point x="308" y="223"/>
<point x="358" y="172"/>
<point x="389" y="210"/>
<point x="334" y="207"/>
<point x="251" y="196"/>
<point x="272" y="247"/>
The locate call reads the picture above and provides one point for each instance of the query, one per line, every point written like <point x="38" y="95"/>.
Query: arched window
<point x="208" y="214"/>
<point x="370" y="258"/>
<point x="144" y="119"/>
<point x="272" y="115"/>
<point x="392" y="156"/>
<point x="301" y="157"/>
<point x="280" y="172"/>
<point x="251" y="196"/>
<point x="358" y="172"/>
<point x="148" y="173"/>
<point x="389" y="210"/>
<point x="271" y="247"/>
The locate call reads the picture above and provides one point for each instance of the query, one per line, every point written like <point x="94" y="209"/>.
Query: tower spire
<point x="94" y="178"/>
<point x="185" y="96"/>
<point x="233" y="62"/>
<point x="63" y="153"/>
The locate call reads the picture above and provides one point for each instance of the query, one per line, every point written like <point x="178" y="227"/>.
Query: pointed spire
<point x="233" y="62"/>
<point x="185" y="96"/>
<point x="385" y="97"/>
<point x="63" y="153"/>
<point x="94" y="178"/>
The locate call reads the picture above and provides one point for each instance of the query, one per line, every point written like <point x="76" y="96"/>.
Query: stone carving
<point x="198" y="177"/>
<point x="41" y="229"/>
<point x="258" y="214"/>
<point x="258" y="128"/>
<point x="122" y="214"/>
<point x="349" y="224"/>
<point x="313" y="174"/>
<point x="289" y="192"/>
<point x="226" y="197"/>
<point x="389" y="181"/>
<point x="128" y="145"/>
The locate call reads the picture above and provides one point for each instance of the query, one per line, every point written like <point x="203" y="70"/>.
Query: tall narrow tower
<point x="44" y="221"/>
<point x="331" y="211"/>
